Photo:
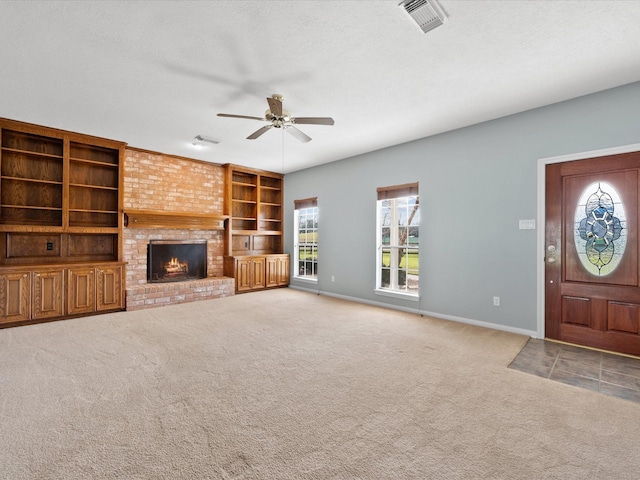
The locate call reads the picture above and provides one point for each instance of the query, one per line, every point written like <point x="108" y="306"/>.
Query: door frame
<point x="541" y="217"/>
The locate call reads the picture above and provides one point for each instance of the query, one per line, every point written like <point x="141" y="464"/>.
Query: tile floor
<point x="603" y="372"/>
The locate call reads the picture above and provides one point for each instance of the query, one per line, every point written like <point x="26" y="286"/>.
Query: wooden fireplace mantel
<point x="177" y="220"/>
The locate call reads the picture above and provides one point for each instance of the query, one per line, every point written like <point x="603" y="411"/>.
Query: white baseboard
<point x="479" y="323"/>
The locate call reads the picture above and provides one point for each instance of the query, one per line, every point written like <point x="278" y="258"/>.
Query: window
<point x="398" y="239"/>
<point x="306" y="238"/>
<point x="600" y="232"/>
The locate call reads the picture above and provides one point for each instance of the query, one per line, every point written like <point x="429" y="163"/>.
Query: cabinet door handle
<point x="37" y="274"/>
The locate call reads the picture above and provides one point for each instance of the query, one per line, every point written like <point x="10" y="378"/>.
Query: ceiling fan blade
<point x="303" y="137"/>
<point x="275" y="105"/>
<point x="259" y="132"/>
<point x="230" y="115"/>
<point x="314" y="120"/>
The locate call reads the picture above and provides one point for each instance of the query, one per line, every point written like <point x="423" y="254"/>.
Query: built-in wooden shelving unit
<point x="253" y="249"/>
<point x="60" y="210"/>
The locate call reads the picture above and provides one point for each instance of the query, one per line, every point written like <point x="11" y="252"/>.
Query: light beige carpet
<point x="289" y="385"/>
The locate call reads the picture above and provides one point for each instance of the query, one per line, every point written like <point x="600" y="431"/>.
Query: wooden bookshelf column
<point x="253" y="247"/>
<point x="60" y="224"/>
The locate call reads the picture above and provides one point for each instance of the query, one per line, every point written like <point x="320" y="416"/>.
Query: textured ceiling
<point x="154" y="74"/>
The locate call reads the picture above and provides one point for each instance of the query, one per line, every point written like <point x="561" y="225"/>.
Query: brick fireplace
<point x="172" y="199"/>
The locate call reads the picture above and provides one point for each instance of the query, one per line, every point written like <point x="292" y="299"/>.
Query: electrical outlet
<point x="496" y="301"/>
<point x="333" y="278"/>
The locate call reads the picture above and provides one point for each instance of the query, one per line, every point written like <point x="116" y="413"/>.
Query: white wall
<point x="476" y="183"/>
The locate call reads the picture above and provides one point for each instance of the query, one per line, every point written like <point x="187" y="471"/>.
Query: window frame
<point x="393" y="193"/>
<point x="305" y="204"/>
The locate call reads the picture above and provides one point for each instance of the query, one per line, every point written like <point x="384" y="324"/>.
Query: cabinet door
<point x="272" y="278"/>
<point x="277" y="270"/>
<point x="15" y="297"/>
<point x="258" y="268"/>
<point x="244" y="282"/>
<point x="81" y="293"/>
<point x="109" y="288"/>
<point x="250" y="274"/>
<point x="47" y="294"/>
<point x="283" y="271"/>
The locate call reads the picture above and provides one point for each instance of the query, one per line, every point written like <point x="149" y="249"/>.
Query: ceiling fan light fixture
<point x="428" y="14"/>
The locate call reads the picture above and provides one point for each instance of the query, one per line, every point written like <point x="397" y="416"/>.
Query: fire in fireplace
<point x="176" y="260"/>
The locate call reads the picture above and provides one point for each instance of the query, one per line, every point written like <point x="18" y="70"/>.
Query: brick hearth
<point x="157" y="294"/>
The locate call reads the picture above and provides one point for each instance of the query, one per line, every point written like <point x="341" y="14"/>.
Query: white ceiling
<point x="155" y="73"/>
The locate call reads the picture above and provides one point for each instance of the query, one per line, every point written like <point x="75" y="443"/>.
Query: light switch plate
<point x="527" y="224"/>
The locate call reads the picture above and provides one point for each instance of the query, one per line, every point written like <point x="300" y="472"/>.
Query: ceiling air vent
<point x="427" y="13"/>
<point x="202" y="138"/>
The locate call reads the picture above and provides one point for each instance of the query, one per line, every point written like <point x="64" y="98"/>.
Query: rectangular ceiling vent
<point x="427" y="13"/>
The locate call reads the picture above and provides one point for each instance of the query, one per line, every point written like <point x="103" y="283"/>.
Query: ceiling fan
<point x="280" y="118"/>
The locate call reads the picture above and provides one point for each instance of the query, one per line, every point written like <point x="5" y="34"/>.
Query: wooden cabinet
<point x="250" y="273"/>
<point x="277" y="273"/>
<point x="258" y="272"/>
<point x="109" y="287"/>
<point x="47" y="297"/>
<point x="95" y="288"/>
<point x="28" y="295"/>
<point x="37" y="294"/>
<point x="253" y="244"/>
<point x="15" y="297"/>
<point x="60" y="218"/>
<point x="81" y="290"/>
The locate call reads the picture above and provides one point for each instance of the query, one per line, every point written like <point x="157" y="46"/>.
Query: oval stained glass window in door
<point x="600" y="229"/>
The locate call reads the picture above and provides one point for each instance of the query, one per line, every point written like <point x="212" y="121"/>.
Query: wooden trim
<point x="254" y="171"/>
<point x="59" y="133"/>
<point x="405" y="190"/>
<point x="305" y="203"/>
<point x="121" y="173"/>
<point x="44" y="266"/>
<point x="169" y="155"/>
<point x="177" y="220"/>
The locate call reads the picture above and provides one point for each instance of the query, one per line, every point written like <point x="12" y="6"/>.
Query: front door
<point x="592" y="292"/>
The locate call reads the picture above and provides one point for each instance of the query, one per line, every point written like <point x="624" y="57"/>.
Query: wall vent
<point x="426" y="13"/>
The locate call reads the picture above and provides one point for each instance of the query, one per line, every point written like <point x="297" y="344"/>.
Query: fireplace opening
<point x="176" y="260"/>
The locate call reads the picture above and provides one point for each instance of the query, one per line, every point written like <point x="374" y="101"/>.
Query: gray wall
<point x="476" y="183"/>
